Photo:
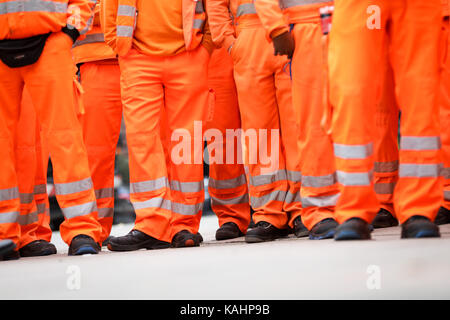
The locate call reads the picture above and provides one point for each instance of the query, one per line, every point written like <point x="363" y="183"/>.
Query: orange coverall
<point x="356" y="54"/>
<point x="445" y="101"/>
<point x="386" y="147"/>
<point x="319" y="190"/>
<point x="101" y="121"/>
<point x="265" y="103"/>
<point x="164" y="69"/>
<point x="34" y="219"/>
<point x="227" y="181"/>
<point x="49" y="82"/>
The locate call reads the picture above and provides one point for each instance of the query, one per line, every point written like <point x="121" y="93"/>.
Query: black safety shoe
<point x="7" y="252"/>
<point x="199" y="236"/>
<point x="419" y="227"/>
<point x="443" y="216"/>
<point x="299" y="228"/>
<point x="264" y="231"/>
<point x="83" y="244"/>
<point x="229" y="230"/>
<point x="384" y="219"/>
<point x="136" y="240"/>
<point x="105" y="243"/>
<point x="185" y="238"/>
<point x="353" y="229"/>
<point x="37" y="248"/>
<point x="324" y="229"/>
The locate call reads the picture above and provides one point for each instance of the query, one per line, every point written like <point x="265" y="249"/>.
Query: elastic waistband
<point x="248" y="22"/>
<point x="305" y="13"/>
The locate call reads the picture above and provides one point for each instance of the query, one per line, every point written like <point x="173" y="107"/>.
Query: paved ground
<point x="291" y="268"/>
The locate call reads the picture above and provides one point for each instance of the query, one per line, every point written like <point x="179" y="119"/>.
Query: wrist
<point x="71" y="32"/>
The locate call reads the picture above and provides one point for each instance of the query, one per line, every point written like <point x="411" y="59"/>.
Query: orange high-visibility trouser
<point x="101" y="129"/>
<point x="386" y="154"/>
<point x="357" y="47"/>
<point x="386" y="146"/>
<point x="445" y="110"/>
<point x="227" y="181"/>
<point x="319" y="189"/>
<point x="269" y="129"/>
<point x="50" y="84"/>
<point x="166" y="198"/>
<point x="34" y="218"/>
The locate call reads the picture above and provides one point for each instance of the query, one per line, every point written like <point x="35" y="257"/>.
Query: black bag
<point x="17" y="53"/>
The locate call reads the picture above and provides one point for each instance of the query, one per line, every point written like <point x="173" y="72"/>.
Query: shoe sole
<point x="84" y="250"/>
<point x="227" y="236"/>
<point x="327" y="235"/>
<point x="424" y="234"/>
<point x="255" y="239"/>
<point x="40" y="254"/>
<point x="115" y="247"/>
<point x="187" y="244"/>
<point x="350" y="235"/>
<point x="381" y="225"/>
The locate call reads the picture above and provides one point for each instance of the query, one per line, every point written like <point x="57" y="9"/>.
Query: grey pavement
<point x="385" y="267"/>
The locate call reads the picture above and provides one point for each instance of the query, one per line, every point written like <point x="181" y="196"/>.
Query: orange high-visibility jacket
<point x="93" y="47"/>
<point x="118" y="19"/>
<point x="446" y="7"/>
<point x="23" y="18"/>
<point x="276" y="15"/>
<point x="226" y="15"/>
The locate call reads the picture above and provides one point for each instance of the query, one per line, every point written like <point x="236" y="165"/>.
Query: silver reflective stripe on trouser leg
<point x="446" y="174"/>
<point x="352" y="179"/>
<point x="149" y="185"/>
<point x="26" y="198"/>
<point x="9" y="194"/>
<point x="447" y="195"/>
<point x="9" y="217"/>
<point x="319" y="182"/>
<point x="353" y="151"/>
<point x="41" y="208"/>
<point x="265" y="179"/>
<point x="79" y="210"/>
<point x="386" y="167"/>
<point x="6" y="195"/>
<point x="227" y="183"/>
<point x="40" y="189"/>
<point x="231" y="201"/>
<point x="321" y="202"/>
<point x="294" y="177"/>
<point x="104" y="193"/>
<point x="420" y="143"/>
<point x="187" y="187"/>
<point x="73" y="187"/>
<point x="419" y="170"/>
<point x="162" y="203"/>
<point x="276" y="195"/>
<point x="25" y="219"/>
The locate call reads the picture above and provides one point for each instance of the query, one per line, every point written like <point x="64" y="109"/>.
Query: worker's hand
<point x="284" y="44"/>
